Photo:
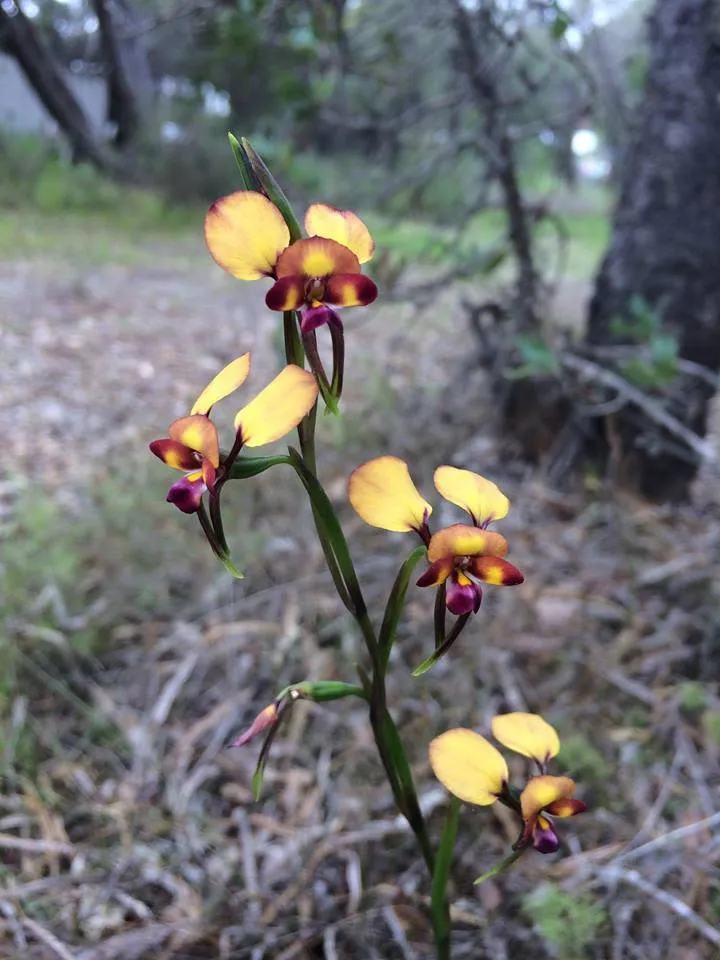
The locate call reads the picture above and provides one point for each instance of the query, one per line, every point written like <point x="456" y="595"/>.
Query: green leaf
<point x="257" y="780"/>
<point x="330" y="528"/>
<point x="321" y="691"/>
<point x="538" y="359"/>
<point x="493" y="260"/>
<point x="398" y="758"/>
<point x="500" y="867"/>
<point x="245" y="467"/>
<point x="536" y="352"/>
<point x="664" y="353"/>
<point x="247" y="174"/>
<point x="440" y="651"/>
<point x="271" y="188"/>
<point x="230" y="566"/>
<point x="395" y="604"/>
<point x="443" y="862"/>
<point x="440" y="615"/>
<point x="560" y="24"/>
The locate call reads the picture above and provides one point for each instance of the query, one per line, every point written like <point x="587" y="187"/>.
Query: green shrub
<point x="568" y="922"/>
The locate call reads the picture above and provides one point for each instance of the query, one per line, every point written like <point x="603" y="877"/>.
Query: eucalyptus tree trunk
<point x="20" y="39"/>
<point x="665" y="245"/>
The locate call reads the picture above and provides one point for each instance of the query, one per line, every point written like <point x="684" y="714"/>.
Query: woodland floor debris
<point x="128" y="831"/>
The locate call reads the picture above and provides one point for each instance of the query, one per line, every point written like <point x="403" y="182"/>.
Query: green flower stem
<point x="339" y="561"/>
<point x="337" y="335"/>
<point x="439" y="905"/>
<point x="387" y="739"/>
<point x="294" y="352"/>
<point x="217" y="549"/>
<point x="306" y="436"/>
<point x="500" y="867"/>
<point x="395" y="605"/>
<point x="316" y="365"/>
<point x="216" y="518"/>
<point x="440" y="651"/>
<point x="440" y="618"/>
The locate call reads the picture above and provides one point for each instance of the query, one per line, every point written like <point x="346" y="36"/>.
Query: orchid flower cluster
<point x="254" y="235"/>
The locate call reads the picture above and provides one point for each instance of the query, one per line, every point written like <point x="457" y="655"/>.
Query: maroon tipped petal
<point x="186" y="494"/>
<point x="545" y="840"/>
<point x="463" y="598"/>
<point x="266" y="718"/>
<point x="315" y="317"/>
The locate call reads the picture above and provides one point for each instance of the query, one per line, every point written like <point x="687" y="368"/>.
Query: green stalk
<point x="439" y="905"/>
<point x="396" y="604"/>
<point x="342" y="570"/>
<point x="294" y="352"/>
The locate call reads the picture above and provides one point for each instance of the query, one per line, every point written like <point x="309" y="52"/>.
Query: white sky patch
<point x="584" y="142"/>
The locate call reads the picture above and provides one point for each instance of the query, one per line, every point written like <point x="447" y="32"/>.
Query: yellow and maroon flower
<point x="192" y="444"/>
<point x="542" y="797"/>
<point x="476" y="772"/>
<point x="459" y="556"/>
<point x="247" y="236"/>
<point x="384" y="495"/>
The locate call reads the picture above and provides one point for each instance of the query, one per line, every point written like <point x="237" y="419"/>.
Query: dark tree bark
<point x="19" y="38"/>
<point x="126" y="68"/>
<point x="665" y="244"/>
<point x="122" y="107"/>
<point x="499" y="151"/>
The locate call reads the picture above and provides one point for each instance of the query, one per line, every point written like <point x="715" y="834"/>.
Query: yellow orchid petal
<point x="278" y="408"/>
<point x="482" y="499"/>
<point x="383" y="494"/>
<point x="316" y="257"/>
<point x="226" y="382"/>
<point x="468" y="766"/>
<point x="245" y="234"/>
<point x="322" y="220"/>
<point x="528" y="734"/>
<point x="462" y="540"/>
<point x="542" y="791"/>
<point x="198" y="433"/>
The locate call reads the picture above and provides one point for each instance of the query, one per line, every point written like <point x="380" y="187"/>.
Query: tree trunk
<point x="665" y="240"/>
<point x="19" y="38"/>
<point x="126" y="68"/>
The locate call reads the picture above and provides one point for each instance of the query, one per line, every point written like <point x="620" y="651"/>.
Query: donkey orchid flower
<point x="541" y="797"/>
<point x="192" y="444"/>
<point x="472" y="769"/>
<point x="247" y="236"/>
<point x="384" y="495"/>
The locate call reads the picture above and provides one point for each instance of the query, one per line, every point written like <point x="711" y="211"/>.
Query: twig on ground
<point x="694" y="768"/>
<point x="612" y="874"/>
<point x="652" y="408"/>
<point x="401" y="941"/>
<point x="27" y="845"/>
<point x="668" y="839"/>
<point x="49" y="939"/>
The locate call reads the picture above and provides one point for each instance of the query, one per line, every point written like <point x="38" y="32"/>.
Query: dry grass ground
<point x="127" y="830"/>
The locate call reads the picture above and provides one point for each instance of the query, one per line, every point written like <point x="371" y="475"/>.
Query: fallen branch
<point x="634" y="879"/>
<point x="652" y="408"/>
